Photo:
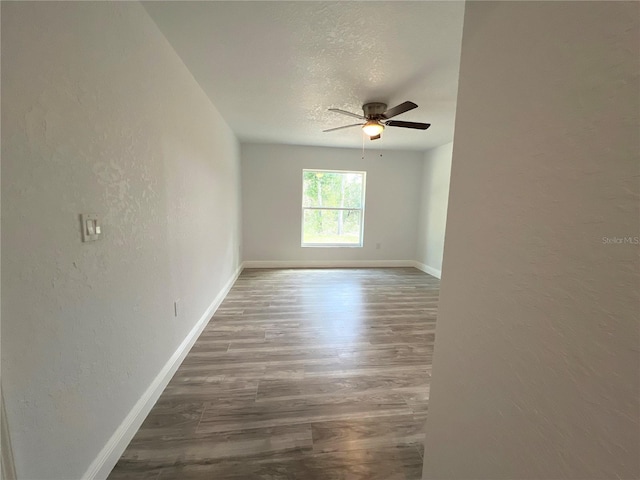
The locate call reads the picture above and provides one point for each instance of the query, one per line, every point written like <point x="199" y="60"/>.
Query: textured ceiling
<point x="274" y="68"/>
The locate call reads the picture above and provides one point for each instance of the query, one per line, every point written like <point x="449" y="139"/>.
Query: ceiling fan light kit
<point x="373" y="128"/>
<point x="376" y="117"/>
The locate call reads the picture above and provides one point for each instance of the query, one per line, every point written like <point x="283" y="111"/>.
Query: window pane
<point x="332" y="189"/>
<point x="332" y="226"/>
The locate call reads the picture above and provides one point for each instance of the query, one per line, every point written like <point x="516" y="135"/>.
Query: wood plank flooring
<point x="301" y="374"/>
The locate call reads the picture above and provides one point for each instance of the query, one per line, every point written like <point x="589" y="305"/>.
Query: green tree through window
<point x="332" y="207"/>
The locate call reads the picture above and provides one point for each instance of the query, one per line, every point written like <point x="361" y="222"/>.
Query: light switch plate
<point x="91" y="228"/>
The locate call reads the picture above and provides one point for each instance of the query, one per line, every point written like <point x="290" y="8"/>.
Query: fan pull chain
<point x="363" y="146"/>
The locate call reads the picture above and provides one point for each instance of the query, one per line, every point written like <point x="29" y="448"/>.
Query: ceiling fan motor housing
<point x="374" y="110"/>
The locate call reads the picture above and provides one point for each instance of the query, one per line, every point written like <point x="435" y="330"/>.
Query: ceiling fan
<point x="376" y="117"/>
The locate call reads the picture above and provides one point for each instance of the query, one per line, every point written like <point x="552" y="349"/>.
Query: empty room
<point x="314" y="240"/>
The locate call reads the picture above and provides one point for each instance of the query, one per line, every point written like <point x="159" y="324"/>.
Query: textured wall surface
<point x="99" y="115"/>
<point x="433" y="207"/>
<point x="536" y="372"/>
<point x="272" y="202"/>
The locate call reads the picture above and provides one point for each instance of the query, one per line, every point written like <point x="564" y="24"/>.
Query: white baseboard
<point x="327" y="263"/>
<point x="8" y="471"/>
<point x="116" y="445"/>
<point x="427" y="269"/>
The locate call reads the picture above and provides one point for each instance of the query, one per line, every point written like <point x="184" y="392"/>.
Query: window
<point x="332" y="208"/>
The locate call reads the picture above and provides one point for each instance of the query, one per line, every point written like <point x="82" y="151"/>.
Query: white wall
<point x="99" y="115"/>
<point x="272" y="204"/>
<point x="433" y="208"/>
<point x="536" y="372"/>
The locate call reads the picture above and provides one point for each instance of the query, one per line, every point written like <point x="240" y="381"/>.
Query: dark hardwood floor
<point x="301" y="374"/>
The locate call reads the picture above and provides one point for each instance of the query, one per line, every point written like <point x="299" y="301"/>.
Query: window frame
<point x="361" y="210"/>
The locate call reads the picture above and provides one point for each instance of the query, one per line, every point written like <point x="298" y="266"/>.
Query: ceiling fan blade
<point x="345" y="126"/>
<point x="416" y="125"/>
<point x="376" y="137"/>
<point x="344" y="112"/>
<point x="398" y="109"/>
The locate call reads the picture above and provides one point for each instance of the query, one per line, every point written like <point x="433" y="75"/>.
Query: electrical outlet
<point x="175" y="308"/>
